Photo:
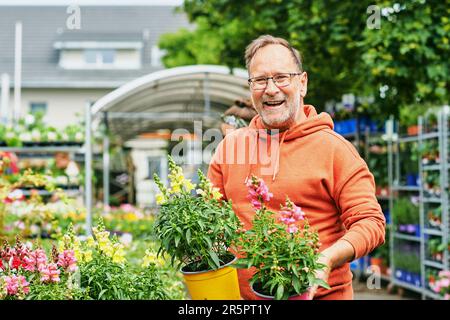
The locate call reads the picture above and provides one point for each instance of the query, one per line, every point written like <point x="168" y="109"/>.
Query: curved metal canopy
<point x="172" y="98"/>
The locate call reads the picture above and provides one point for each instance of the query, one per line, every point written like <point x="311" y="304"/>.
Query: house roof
<point x="45" y="26"/>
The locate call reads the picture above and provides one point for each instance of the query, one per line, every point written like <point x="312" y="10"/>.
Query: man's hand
<point x="333" y="257"/>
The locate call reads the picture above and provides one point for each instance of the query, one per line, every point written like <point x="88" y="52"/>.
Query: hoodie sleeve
<point x="361" y="213"/>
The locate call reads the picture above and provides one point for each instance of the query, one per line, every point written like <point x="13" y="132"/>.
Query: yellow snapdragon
<point x="118" y="255"/>
<point x="160" y="199"/>
<point x="87" y="256"/>
<point x="151" y="257"/>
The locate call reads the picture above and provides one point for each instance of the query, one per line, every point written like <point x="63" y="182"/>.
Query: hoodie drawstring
<point x="252" y="156"/>
<point x="277" y="159"/>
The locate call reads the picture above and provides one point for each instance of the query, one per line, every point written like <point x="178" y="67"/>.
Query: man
<point x="316" y="168"/>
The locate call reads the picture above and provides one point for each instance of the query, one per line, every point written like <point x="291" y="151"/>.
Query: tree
<point x="402" y="63"/>
<point x="408" y="57"/>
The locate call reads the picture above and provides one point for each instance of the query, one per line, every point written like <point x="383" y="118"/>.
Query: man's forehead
<point x="272" y="57"/>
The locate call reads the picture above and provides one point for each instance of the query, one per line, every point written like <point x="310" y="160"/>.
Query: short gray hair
<point x="265" y="40"/>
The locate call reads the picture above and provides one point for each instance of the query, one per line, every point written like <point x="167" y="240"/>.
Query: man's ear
<point x="303" y="84"/>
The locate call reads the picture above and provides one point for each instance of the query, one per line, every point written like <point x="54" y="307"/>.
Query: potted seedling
<point x="283" y="249"/>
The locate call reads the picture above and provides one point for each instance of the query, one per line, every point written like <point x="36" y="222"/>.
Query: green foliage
<point x="285" y="263"/>
<point x="407" y="261"/>
<point x="408" y="54"/>
<point x="405" y="211"/>
<point x="107" y="280"/>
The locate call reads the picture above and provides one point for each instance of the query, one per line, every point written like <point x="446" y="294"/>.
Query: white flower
<point x="24" y="136"/>
<point x="126" y="239"/>
<point x="19" y="225"/>
<point x="79" y="137"/>
<point x="72" y="169"/>
<point x="61" y="180"/>
<point x="29" y="119"/>
<point x="10" y="135"/>
<point x="51" y="136"/>
<point x="65" y="137"/>
<point x="35" y="135"/>
<point x="34" y="229"/>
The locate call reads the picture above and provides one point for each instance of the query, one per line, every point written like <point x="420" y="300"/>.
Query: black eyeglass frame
<point x="291" y="74"/>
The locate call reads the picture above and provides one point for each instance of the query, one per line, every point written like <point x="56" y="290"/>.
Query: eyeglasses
<point x="280" y="80"/>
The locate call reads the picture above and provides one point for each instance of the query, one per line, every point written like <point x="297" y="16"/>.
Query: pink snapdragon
<point x="67" y="261"/>
<point x="258" y="192"/>
<point x="49" y="273"/>
<point x="290" y="214"/>
<point x="35" y="260"/>
<point x="14" y="283"/>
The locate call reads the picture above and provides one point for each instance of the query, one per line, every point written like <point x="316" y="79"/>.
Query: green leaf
<point x="322" y="283"/>
<point x="296" y="284"/>
<point x="280" y="291"/>
<point x="188" y="236"/>
<point x="215" y="258"/>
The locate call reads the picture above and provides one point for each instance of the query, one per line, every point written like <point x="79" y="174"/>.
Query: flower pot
<point x="379" y="262"/>
<point x="302" y="296"/>
<point x="220" y="284"/>
<point x="413" y="130"/>
<point x="411" y="179"/>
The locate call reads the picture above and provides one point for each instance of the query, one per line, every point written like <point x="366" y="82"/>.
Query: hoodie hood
<point x="314" y="122"/>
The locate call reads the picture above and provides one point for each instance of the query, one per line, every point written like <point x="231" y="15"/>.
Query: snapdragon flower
<point x="258" y="192"/>
<point x="16" y="284"/>
<point x="67" y="260"/>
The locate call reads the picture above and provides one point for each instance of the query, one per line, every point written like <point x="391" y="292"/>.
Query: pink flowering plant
<point x="442" y="284"/>
<point x="27" y="273"/>
<point x="282" y="249"/>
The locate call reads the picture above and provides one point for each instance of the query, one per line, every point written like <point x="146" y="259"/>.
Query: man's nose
<point x="271" y="88"/>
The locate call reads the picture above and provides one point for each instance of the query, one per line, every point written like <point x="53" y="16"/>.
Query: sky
<point x="89" y="2"/>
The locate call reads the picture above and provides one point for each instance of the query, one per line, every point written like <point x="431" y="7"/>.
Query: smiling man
<point x="316" y="168"/>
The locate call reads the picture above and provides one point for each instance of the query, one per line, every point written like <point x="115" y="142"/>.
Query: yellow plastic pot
<point x="220" y="284"/>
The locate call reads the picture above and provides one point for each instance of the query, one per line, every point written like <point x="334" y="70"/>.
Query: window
<point x="38" y="107"/>
<point x="99" y="57"/>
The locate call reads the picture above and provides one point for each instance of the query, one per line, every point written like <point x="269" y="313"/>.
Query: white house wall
<point x="63" y="105"/>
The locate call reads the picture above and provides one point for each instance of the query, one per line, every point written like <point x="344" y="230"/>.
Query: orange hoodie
<point x="320" y="171"/>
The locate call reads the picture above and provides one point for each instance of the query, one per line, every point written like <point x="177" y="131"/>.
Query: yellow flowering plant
<point x="196" y="230"/>
<point x="105" y="272"/>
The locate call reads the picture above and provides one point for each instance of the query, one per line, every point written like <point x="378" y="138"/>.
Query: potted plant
<point x="406" y="215"/>
<point x="434" y="217"/>
<point x="436" y="249"/>
<point x="197" y="231"/>
<point x="442" y="284"/>
<point x="283" y="250"/>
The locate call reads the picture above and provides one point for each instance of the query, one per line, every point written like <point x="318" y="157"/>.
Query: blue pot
<point x="411" y="179"/>
<point x="417" y="234"/>
<point x="417" y="281"/>
<point x="399" y="274"/>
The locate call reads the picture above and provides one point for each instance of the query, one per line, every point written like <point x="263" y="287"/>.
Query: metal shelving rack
<point x="47" y="152"/>
<point x="383" y="200"/>
<point x="394" y="160"/>
<point x="443" y="167"/>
